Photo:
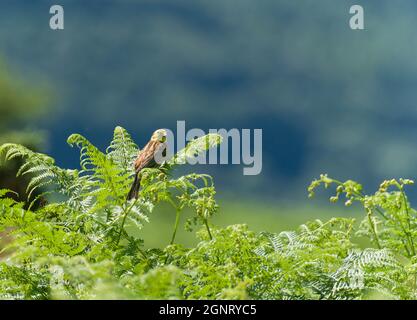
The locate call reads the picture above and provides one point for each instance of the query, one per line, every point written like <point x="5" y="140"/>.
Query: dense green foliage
<point x="86" y="244"/>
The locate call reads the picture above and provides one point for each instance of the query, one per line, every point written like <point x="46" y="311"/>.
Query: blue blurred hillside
<point x="329" y="99"/>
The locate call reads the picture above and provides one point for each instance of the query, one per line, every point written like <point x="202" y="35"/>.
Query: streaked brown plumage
<point x="146" y="159"/>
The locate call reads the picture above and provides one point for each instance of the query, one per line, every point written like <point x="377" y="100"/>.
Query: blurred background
<point x="329" y="99"/>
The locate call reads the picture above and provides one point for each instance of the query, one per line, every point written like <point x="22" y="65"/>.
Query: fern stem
<point x="177" y="222"/>
<point x="372" y="225"/>
<point x="410" y="237"/>
<point x="126" y="213"/>
<point x="121" y="229"/>
<point x="208" y="229"/>
<point x="406" y="248"/>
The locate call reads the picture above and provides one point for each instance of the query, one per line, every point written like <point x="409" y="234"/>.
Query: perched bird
<point x="146" y="159"/>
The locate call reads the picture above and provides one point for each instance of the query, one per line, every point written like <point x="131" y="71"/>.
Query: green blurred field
<point x="260" y="216"/>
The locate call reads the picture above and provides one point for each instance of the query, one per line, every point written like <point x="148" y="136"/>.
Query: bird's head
<point x="159" y="135"/>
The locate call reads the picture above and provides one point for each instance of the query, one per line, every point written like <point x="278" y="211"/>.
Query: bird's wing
<point x="145" y="158"/>
<point x="161" y="148"/>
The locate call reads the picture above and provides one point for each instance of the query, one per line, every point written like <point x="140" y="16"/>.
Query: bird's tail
<point x="134" y="190"/>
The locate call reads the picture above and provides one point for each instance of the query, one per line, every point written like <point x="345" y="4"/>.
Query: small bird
<point x="146" y="159"/>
